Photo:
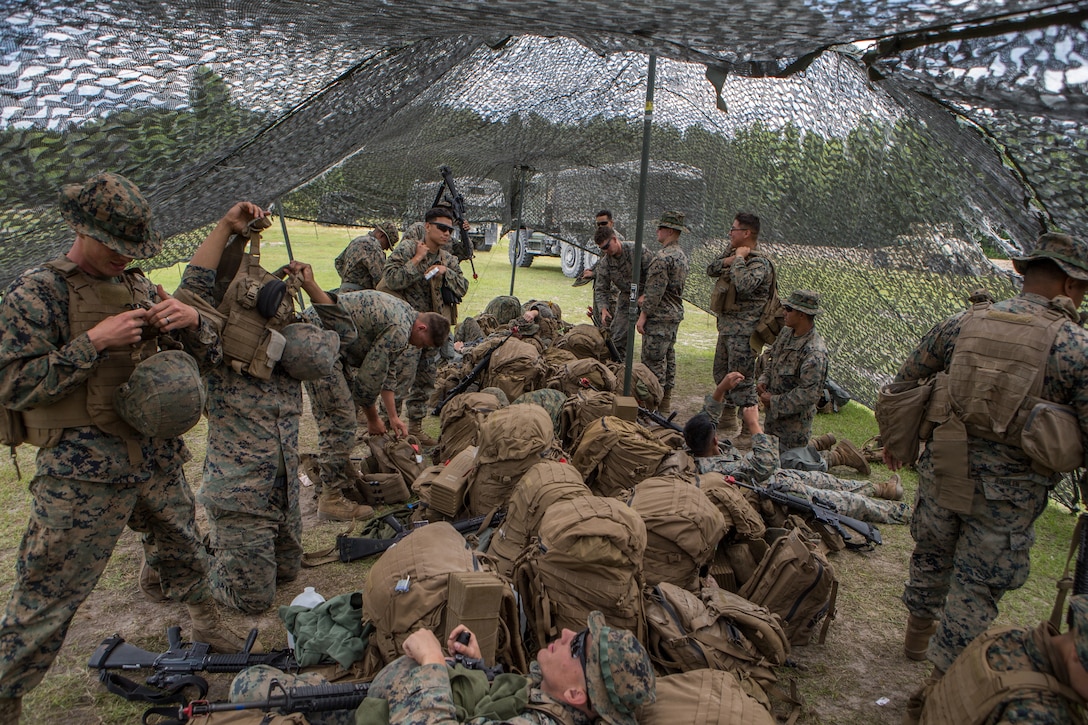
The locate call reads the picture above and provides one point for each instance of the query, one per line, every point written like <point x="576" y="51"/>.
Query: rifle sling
<point x="133" y="692"/>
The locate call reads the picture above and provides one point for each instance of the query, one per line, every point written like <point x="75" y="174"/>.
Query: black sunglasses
<point x="602" y="223"/>
<point x="578" y="647"/>
<point x="443" y="227"/>
<point x="606" y="244"/>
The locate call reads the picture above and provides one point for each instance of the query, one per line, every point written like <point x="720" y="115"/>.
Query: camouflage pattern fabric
<point x="406" y="278"/>
<point x="616" y="272"/>
<point x="963" y="564"/>
<point x="752" y="282"/>
<point x="250" y="488"/>
<point x="85" y="490"/>
<point x="334" y="410"/>
<point x="757" y="465"/>
<point x="549" y="399"/>
<point x="664" y="309"/>
<point x="360" y="264"/>
<point x="795" y="373"/>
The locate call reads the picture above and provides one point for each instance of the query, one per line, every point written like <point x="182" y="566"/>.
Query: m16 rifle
<point x="457" y="204"/>
<point x="303" y="699"/>
<point x="469" y="379"/>
<point x="360" y="547"/>
<point x="595" y="317"/>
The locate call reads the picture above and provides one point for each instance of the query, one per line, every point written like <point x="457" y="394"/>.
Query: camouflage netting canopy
<point x="890" y="146"/>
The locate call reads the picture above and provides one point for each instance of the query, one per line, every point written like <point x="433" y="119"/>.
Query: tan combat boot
<point x="847" y="454"/>
<point x="210" y="628"/>
<point x="891" y="490"/>
<point x="11" y="708"/>
<point x="151" y="584"/>
<point x="729" y="423"/>
<point x="916" y="643"/>
<point x="665" y="406"/>
<point x="415" y="428"/>
<point x="824" y="442"/>
<point x="333" y="506"/>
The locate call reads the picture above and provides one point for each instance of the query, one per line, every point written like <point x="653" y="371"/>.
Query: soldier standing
<point x="979" y="490"/>
<point x="70" y="334"/>
<point x="615" y="270"/>
<point x="745" y="279"/>
<point x="663" y="305"/>
<point x="419" y="272"/>
<point x="361" y="263"/>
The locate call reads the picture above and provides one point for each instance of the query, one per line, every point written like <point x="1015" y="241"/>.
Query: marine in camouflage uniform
<point x="360" y="264"/>
<point x="663" y="304"/>
<point x="404" y="277"/>
<point x="1037" y="676"/>
<point x="795" y="373"/>
<point x="963" y="563"/>
<point x="751" y="275"/>
<point x="614" y="270"/>
<point x="91" y="484"/>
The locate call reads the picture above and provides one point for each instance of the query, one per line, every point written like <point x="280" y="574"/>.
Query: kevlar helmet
<point x="163" y="397"/>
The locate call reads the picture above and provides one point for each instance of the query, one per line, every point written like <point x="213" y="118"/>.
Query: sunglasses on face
<point x="602" y="223"/>
<point x="607" y="244"/>
<point x="443" y="227"/>
<point x="737" y="229"/>
<point x="578" y="647"/>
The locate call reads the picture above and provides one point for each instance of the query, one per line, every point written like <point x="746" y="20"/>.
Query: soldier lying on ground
<point x="599" y="673"/>
<point x="849" y="497"/>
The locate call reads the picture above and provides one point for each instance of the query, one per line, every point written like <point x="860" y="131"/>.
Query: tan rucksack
<point x="587" y="555"/>
<point x="615" y="454"/>
<point x="512" y="440"/>
<point x="579" y="411"/>
<point x="461" y="419"/>
<point x="595" y="373"/>
<point x="515" y="368"/>
<point x="585" y="341"/>
<point x="703" y="697"/>
<point x="390" y="454"/>
<point x="408" y="589"/>
<point x="543" y="485"/>
<point x="683" y="529"/>
<point x="797" y="583"/>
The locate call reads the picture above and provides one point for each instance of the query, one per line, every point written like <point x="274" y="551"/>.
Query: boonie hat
<point x="390" y="231"/>
<point x="109" y="208"/>
<point x="619" y="674"/>
<point x="1069" y="253"/>
<point x="163" y="397"/>
<point x="672" y="220"/>
<point x="309" y="352"/>
<point x="805" y="301"/>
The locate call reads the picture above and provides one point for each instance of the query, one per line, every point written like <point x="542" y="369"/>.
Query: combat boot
<point x="824" y="442"/>
<point x="11" y="708"/>
<point x="891" y="490"/>
<point x="847" y="454"/>
<point x="916" y="643"/>
<point x="415" y="428"/>
<point x="729" y="424"/>
<point x="665" y="406"/>
<point x="210" y="628"/>
<point x="333" y="506"/>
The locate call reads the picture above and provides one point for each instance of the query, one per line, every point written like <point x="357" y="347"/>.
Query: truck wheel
<point x="519" y="255"/>
<point x="572" y="259"/>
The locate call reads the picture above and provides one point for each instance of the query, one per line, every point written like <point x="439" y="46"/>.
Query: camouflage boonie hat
<point x="804" y="300"/>
<point x="1077" y="619"/>
<point x="1069" y="253"/>
<point x="619" y="674"/>
<point x="163" y="397"/>
<point x="672" y="220"/>
<point x="310" y="352"/>
<point x="110" y="209"/>
<point x="389" y="229"/>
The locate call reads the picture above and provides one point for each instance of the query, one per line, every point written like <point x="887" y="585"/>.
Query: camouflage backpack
<point x="587" y="555"/>
<point x="717" y="630"/>
<point x="683" y="529"/>
<point x="585" y="341"/>
<point x="797" y="583"/>
<point x="703" y="697"/>
<point x="615" y="454"/>
<point x="546" y="483"/>
<point x="461" y="419"/>
<point x="515" y="368"/>
<point x="512" y="440"/>
<point x="580" y="410"/>
<point x="595" y="373"/>
<point x="408" y="589"/>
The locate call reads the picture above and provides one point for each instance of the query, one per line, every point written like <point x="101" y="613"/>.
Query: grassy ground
<point x="841" y="679"/>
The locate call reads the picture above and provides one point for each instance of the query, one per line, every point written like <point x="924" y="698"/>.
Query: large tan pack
<point x="683" y="529"/>
<point x="408" y="589"/>
<point x="581" y="374"/>
<point x="615" y="454"/>
<point x="797" y="583"/>
<point x="580" y="410"/>
<point x="512" y="440"/>
<point x="587" y="555"/>
<point x="542" y="486"/>
<point x="461" y="420"/>
<point x="515" y="368"/>
<point x="585" y="341"/>
<point x="390" y="454"/>
<point x="703" y="697"/>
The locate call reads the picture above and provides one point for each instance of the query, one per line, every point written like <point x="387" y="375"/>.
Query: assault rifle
<point x="175" y="670"/>
<point x="457" y="203"/>
<point x="303" y="699"/>
<point x="469" y="379"/>
<point x="360" y="547"/>
<point x="592" y="314"/>
<point x="660" y="419"/>
<point x="822" y="511"/>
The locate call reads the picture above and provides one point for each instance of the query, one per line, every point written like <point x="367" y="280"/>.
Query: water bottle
<point x="308" y="598"/>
